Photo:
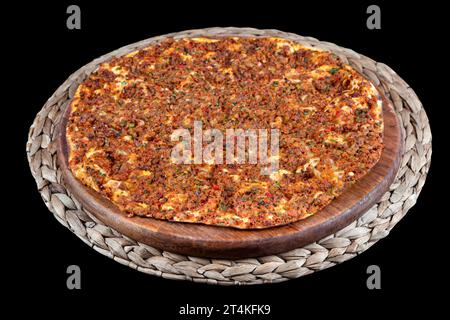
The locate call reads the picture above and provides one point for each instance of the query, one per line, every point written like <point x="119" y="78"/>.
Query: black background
<point x="44" y="53"/>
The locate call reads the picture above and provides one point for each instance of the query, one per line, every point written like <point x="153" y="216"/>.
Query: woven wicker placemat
<point x="357" y="237"/>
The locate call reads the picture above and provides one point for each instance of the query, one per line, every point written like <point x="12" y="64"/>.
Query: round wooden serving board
<point x="222" y="242"/>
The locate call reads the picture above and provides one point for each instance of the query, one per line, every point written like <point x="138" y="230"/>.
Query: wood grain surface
<point x="222" y="242"/>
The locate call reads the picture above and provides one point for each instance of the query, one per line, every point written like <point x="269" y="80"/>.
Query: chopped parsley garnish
<point x="360" y="112"/>
<point x="223" y="206"/>
<point x="334" y="70"/>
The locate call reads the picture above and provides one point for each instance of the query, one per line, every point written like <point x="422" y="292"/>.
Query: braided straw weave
<point x="345" y="244"/>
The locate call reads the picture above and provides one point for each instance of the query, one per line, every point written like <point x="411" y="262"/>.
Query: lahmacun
<point x="122" y="116"/>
